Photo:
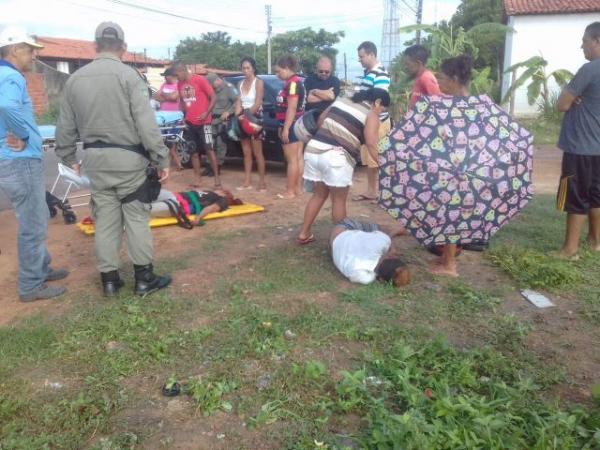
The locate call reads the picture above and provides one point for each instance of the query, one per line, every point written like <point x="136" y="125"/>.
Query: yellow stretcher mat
<point x="237" y="210"/>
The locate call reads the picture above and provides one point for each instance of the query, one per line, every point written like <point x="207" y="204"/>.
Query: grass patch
<point x="466" y="301"/>
<point x="545" y="131"/>
<point x="370" y="293"/>
<point x="87" y="354"/>
<point x="522" y="249"/>
<point x="534" y="269"/>
<point x="432" y="396"/>
<point x="349" y="368"/>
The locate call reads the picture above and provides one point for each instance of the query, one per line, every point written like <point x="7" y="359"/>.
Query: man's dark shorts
<point x="579" y="188"/>
<point x="201" y="136"/>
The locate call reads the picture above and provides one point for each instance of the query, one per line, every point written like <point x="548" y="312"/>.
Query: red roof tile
<point x="525" y="7"/>
<point x="73" y="49"/>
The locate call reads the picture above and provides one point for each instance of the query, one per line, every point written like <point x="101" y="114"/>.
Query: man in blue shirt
<point x="21" y="167"/>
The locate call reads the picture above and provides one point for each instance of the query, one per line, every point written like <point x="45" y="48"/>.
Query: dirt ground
<point x="73" y="250"/>
<point x="557" y="334"/>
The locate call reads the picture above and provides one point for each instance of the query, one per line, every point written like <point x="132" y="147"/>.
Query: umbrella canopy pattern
<point x="455" y="169"/>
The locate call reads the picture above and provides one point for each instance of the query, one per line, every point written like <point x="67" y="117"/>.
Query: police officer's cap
<point x="110" y="30"/>
<point x="212" y="77"/>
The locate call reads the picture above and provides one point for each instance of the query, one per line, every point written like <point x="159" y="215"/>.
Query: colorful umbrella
<point x="455" y="169"/>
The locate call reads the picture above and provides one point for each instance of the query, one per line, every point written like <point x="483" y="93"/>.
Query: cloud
<point x="157" y="33"/>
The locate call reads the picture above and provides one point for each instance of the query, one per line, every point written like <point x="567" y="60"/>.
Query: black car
<point x="272" y="148"/>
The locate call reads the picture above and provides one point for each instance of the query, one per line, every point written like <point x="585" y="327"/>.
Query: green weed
<point x="508" y="331"/>
<point x="208" y="394"/>
<point x="467" y="301"/>
<point x="534" y="269"/>
<point x="370" y="293"/>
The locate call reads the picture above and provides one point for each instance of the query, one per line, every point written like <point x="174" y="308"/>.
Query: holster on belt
<point x="150" y="189"/>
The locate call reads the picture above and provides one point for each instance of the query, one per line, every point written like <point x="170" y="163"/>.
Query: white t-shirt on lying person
<point x="356" y="254"/>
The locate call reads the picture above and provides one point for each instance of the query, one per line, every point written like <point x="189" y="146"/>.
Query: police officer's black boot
<point x="146" y="281"/>
<point x="111" y="283"/>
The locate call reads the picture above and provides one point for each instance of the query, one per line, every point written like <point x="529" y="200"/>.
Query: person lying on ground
<point x="195" y="202"/>
<point x="362" y="253"/>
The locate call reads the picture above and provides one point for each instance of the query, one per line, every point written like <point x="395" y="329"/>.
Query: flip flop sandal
<point x="243" y="188"/>
<point x="306" y="240"/>
<point x="438" y="250"/>
<point x="362" y="198"/>
<point x="572" y="258"/>
<point x="171" y="391"/>
<point x="476" y="246"/>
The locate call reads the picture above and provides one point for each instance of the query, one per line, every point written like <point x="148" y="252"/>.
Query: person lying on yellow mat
<point x="195" y="202"/>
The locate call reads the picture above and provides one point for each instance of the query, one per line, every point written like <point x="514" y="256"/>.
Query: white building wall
<point x="555" y="37"/>
<point x="62" y="66"/>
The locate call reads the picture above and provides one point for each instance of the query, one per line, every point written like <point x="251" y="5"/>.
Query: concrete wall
<point x="555" y="37"/>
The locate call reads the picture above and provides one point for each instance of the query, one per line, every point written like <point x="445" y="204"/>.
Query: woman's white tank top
<point x="249" y="97"/>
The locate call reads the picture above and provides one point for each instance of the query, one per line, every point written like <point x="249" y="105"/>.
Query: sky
<point x="244" y="20"/>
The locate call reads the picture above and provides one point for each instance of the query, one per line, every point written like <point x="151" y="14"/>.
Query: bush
<point x="534" y="269"/>
<point x="50" y="117"/>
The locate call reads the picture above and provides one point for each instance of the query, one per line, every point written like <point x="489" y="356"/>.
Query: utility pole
<point x="345" y="69"/>
<point x="419" y="18"/>
<point x="269" y="30"/>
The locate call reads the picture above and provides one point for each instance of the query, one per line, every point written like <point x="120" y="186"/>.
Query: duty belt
<point x="138" y="148"/>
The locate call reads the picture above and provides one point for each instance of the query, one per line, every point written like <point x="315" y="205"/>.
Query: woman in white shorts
<point x="332" y="153"/>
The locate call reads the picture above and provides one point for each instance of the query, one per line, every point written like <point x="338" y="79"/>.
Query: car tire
<point x="185" y="149"/>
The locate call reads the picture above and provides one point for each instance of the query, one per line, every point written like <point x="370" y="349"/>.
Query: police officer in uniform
<point x="224" y="107"/>
<point x="106" y="105"/>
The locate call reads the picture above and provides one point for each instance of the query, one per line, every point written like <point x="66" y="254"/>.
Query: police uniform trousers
<point x="113" y="217"/>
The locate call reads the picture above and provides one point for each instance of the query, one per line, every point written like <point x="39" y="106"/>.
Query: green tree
<point x="534" y="72"/>
<point x="471" y="13"/>
<point x="447" y="42"/>
<point x="307" y="45"/>
<point x="214" y="49"/>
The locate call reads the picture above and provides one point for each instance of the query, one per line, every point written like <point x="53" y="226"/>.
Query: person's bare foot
<point x="286" y="195"/>
<point x="364" y="197"/>
<point x="567" y="255"/>
<point x="593" y="244"/>
<point x="437" y="268"/>
<point x="400" y="231"/>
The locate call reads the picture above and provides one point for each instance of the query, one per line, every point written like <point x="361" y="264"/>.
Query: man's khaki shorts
<point x="384" y="129"/>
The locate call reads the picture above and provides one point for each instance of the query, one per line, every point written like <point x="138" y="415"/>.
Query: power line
<point x="355" y="14"/>
<point x="328" y="22"/>
<point x="179" y="16"/>
<point x="409" y="6"/>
